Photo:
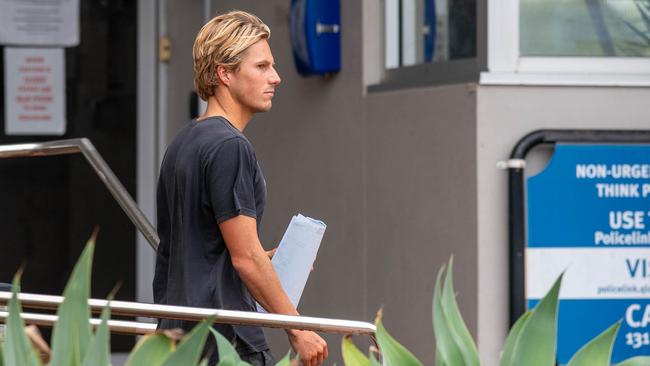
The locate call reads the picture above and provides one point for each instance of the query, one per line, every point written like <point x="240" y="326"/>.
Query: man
<point x="211" y="194"/>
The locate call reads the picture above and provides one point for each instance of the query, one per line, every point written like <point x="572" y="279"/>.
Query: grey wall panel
<point x="421" y="206"/>
<point x="505" y="114"/>
<point x="184" y="19"/>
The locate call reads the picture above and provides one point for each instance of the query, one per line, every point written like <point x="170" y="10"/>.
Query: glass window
<point x="425" y="31"/>
<point x="588" y="28"/>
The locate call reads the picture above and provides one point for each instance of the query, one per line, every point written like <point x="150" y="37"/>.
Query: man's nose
<point x="275" y="78"/>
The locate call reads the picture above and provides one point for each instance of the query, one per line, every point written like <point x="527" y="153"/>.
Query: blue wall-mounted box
<point x="316" y="36"/>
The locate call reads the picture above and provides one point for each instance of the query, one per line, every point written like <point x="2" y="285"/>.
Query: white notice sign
<point x="39" y="23"/>
<point x="34" y="91"/>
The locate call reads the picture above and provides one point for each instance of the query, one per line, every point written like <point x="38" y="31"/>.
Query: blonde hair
<point x="222" y="41"/>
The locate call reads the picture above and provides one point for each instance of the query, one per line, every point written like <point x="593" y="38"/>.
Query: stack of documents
<point x="296" y="255"/>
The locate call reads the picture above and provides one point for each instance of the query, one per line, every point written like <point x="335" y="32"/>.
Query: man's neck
<point x="222" y="104"/>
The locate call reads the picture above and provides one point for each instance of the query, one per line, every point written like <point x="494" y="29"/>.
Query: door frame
<point x="148" y="141"/>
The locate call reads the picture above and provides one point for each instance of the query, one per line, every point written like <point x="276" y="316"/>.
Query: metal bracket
<point x="511" y="164"/>
<point x="164" y="49"/>
<point x="327" y="28"/>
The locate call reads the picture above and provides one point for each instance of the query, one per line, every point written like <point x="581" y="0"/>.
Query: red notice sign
<point x="34" y="91"/>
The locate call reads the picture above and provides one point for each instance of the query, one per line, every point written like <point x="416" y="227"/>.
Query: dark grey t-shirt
<point x="209" y="174"/>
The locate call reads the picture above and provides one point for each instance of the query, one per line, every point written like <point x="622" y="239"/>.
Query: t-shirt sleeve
<point x="230" y="180"/>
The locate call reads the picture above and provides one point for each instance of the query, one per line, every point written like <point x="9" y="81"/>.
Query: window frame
<point x="507" y="67"/>
<point x="437" y="73"/>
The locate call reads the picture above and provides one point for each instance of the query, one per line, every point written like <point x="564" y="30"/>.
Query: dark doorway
<point x="50" y="205"/>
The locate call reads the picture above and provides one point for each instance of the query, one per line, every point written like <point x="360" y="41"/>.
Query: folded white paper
<point x="296" y="255"/>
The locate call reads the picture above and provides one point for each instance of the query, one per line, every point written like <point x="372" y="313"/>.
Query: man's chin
<point x="264" y="108"/>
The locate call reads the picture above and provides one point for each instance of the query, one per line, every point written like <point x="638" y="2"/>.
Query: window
<point x="569" y="42"/>
<point x="423" y="31"/>
<point x="591" y="28"/>
<point x="428" y="42"/>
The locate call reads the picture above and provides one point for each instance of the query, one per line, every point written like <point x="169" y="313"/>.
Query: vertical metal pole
<point x="146" y="140"/>
<point x="163" y="71"/>
<point x="207" y="10"/>
<point x="516" y="222"/>
<point x="207" y="15"/>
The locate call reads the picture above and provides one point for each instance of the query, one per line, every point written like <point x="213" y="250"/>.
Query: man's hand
<point x="271" y="253"/>
<point x="309" y="345"/>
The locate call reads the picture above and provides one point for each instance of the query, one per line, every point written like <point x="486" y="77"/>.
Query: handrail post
<point x="106" y="175"/>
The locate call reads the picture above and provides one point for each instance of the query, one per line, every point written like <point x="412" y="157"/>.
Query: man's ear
<point x="224" y="75"/>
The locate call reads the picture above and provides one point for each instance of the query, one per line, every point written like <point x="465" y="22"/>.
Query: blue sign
<point x="588" y="214"/>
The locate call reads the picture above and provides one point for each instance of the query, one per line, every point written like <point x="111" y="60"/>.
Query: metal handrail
<point x="115" y="326"/>
<point x="48" y="302"/>
<point x="234" y="317"/>
<point x="85" y="147"/>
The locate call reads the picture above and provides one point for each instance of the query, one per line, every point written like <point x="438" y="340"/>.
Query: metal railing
<point x="85" y="147"/>
<point x="127" y="308"/>
<point x="115" y="326"/>
<point x="136" y="309"/>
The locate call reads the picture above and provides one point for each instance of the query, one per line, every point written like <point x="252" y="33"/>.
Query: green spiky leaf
<point x="72" y="333"/>
<point x="537" y="342"/>
<point x="17" y="347"/>
<point x="636" y="361"/>
<point x="513" y="338"/>
<point x="448" y="351"/>
<point x="228" y="355"/>
<point x="190" y="349"/>
<point x="351" y="354"/>
<point x="457" y="326"/>
<point x="598" y="352"/>
<point x="393" y="353"/>
<point x="373" y="361"/>
<point x="438" y="361"/>
<point x="151" y="350"/>
<point x="286" y="360"/>
<point x="99" y="351"/>
<point x="227" y="361"/>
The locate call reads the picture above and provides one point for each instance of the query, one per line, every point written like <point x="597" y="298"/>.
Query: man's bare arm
<point x="254" y="267"/>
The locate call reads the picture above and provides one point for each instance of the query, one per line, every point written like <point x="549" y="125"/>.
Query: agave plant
<point x="531" y="341"/>
<point x="75" y="344"/>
